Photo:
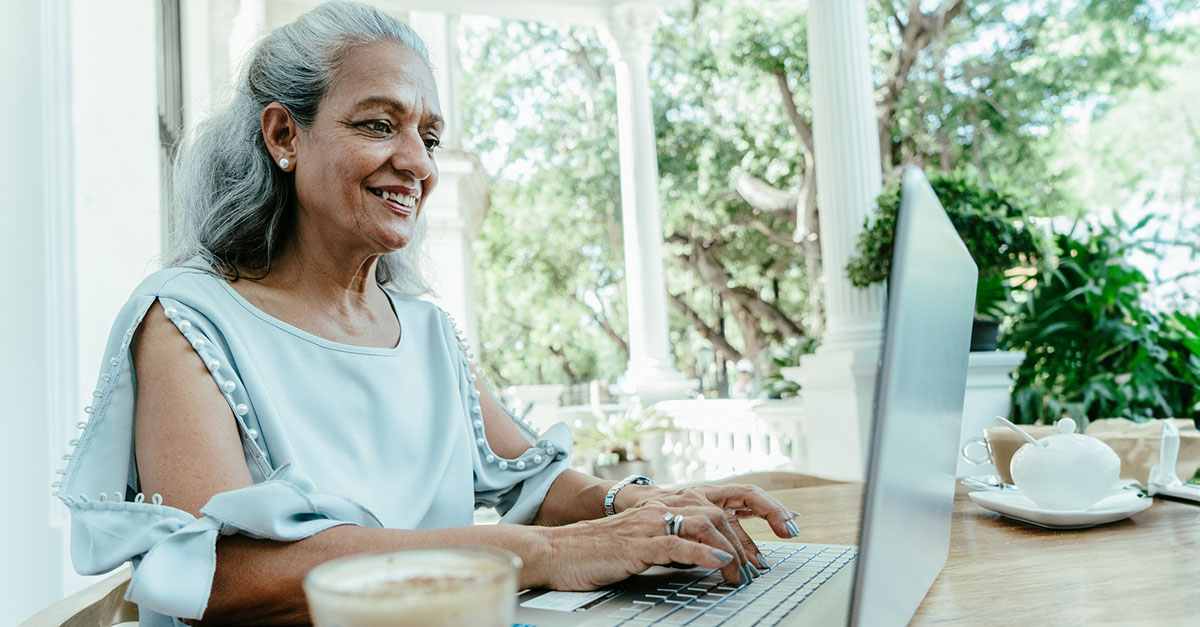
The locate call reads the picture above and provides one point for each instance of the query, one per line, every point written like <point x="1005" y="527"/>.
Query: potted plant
<point x="1005" y="245"/>
<point x="616" y="440"/>
<point x="1096" y="348"/>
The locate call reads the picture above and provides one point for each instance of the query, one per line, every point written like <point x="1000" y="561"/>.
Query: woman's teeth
<point x="403" y="200"/>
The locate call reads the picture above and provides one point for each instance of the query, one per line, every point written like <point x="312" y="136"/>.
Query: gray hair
<point x="233" y="204"/>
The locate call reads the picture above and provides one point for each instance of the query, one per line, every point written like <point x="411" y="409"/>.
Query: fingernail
<point x="753" y="571"/>
<point x="762" y="560"/>
<point x="794" y="514"/>
<point x="722" y="555"/>
<point x="792" y="529"/>
<point x="744" y="575"/>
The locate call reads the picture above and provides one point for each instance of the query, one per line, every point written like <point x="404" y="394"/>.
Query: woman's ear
<point x="280" y="134"/>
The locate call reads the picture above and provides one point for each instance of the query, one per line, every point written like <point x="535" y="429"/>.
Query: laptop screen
<point x="918" y="411"/>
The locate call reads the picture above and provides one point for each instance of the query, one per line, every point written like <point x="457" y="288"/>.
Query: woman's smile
<point x="399" y="198"/>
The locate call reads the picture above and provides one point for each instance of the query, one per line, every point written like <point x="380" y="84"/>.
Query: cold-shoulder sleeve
<point x="173" y="552"/>
<point x="515" y="487"/>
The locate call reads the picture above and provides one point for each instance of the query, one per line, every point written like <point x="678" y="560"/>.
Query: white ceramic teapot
<point x="1066" y="471"/>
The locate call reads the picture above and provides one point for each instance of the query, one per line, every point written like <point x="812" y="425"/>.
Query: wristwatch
<point x="611" y="497"/>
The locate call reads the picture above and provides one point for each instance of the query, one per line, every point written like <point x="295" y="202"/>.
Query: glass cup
<point x="459" y="585"/>
<point x="998" y="445"/>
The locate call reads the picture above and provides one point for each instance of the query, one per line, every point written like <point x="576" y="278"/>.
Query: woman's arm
<point x="576" y="496"/>
<point x="573" y="496"/>
<point x="188" y="450"/>
<point x="259" y="581"/>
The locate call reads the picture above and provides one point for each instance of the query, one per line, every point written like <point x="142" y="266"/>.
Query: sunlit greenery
<point x="1094" y="348"/>
<point x="996" y="88"/>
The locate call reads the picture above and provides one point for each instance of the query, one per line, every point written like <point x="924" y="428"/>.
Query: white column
<point x="34" y="42"/>
<point x="440" y="32"/>
<point x="455" y="212"/>
<point x="838" y="382"/>
<point x="848" y="177"/>
<point x="651" y="374"/>
<point x="118" y="210"/>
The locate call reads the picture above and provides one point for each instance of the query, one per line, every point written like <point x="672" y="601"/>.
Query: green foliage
<point x="997" y="233"/>
<point x="1150" y="136"/>
<point x="542" y="115"/>
<point x="717" y="116"/>
<point x="1093" y="348"/>
<point x="550" y="271"/>
<point x="993" y="91"/>
<point x="1008" y="79"/>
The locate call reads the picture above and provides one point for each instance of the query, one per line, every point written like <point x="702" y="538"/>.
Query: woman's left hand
<point x="737" y="501"/>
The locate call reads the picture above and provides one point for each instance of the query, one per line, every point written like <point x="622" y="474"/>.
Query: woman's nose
<point x="410" y="155"/>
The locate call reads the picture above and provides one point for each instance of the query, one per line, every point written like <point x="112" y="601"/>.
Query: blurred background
<point x="656" y="162"/>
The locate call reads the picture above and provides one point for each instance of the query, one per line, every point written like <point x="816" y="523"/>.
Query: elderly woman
<point x="285" y="399"/>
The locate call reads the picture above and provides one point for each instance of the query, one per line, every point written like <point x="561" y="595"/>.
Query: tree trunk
<point x="748" y="308"/>
<point x="605" y="326"/>
<point x="707" y="332"/>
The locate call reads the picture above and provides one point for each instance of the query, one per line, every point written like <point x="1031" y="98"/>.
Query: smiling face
<point x="365" y="168"/>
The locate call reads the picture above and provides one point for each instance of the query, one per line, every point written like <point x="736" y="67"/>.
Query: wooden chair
<point x="102" y="604"/>
<point x="776" y="480"/>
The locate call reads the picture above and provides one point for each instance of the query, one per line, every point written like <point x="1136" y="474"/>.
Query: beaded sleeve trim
<point x="187" y="322"/>
<point x="542" y="451"/>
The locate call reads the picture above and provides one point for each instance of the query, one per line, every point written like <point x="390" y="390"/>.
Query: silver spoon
<point x="1008" y="423"/>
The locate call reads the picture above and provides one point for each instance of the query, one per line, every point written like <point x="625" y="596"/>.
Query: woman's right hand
<point x="594" y="553"/>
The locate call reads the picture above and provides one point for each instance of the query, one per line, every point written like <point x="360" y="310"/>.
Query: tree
<point x="986" y="85"/>
<point x="542" y="114"/>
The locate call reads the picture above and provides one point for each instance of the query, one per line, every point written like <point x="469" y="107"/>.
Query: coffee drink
<point x="465" y="585"/>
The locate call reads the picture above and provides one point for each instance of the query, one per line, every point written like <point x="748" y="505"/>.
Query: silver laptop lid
<point x="918" y="411"/>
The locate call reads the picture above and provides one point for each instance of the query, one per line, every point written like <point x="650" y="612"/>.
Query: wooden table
<point x="1143" y="570"/>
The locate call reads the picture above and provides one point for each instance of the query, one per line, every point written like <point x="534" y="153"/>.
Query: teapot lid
<point x="1067" y="440"/>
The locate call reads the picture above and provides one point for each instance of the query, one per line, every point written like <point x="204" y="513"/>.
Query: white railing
<point x="712" y="439"/>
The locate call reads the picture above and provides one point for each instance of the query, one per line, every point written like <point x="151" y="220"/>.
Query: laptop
<point x="905" y="533"/>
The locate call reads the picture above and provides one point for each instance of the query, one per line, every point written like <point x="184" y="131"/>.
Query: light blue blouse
<point x="333" y="434"/>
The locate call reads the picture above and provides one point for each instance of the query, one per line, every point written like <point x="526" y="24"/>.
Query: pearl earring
<point x="284" y="163"/>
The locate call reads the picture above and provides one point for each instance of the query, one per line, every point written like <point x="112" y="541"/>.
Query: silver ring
<point x="667" y="518"/>
<point x="675" y="525"/>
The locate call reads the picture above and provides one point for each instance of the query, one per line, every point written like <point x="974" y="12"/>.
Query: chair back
<point x="102" y="604"/>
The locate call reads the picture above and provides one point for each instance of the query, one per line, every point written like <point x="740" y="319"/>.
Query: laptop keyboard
<point x="704" y="598"/>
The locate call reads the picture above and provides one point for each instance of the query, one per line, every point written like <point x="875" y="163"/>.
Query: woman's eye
<point x="379" y="127"/>
<point x="431" y="143"/>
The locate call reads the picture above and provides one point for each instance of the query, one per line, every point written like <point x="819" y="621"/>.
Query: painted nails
<point x="762" y="560"/>
<point x="792" y="529"/>
<point x="722" y="555"/>
<point x="746" y="572"/>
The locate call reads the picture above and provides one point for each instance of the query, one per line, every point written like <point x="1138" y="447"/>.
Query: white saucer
<point x="1013" y="504"/>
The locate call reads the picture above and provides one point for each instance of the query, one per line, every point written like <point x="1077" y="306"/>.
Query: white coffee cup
<point x="1067" y="471"/>
<point x="441" y="586"/>
<point x="997" y="447"/>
